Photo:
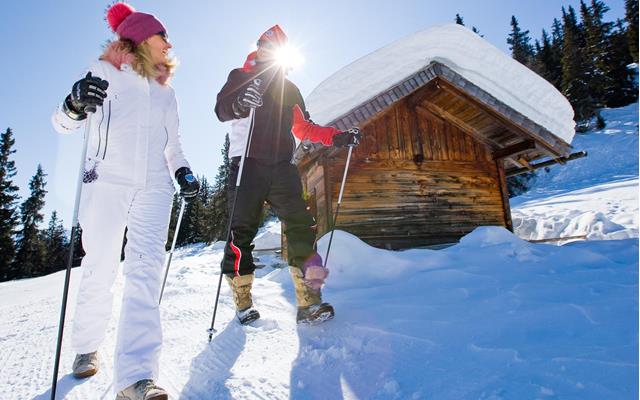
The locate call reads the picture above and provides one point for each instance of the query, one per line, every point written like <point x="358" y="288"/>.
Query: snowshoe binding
<point x="315" y="314"/>
<point x="247" y="315"/>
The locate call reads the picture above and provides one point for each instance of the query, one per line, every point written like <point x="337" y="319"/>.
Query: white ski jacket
<point x="134" y="139"/>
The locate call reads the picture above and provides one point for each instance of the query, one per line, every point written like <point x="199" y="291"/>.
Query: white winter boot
<point x="145" y="389"/>
<point x="85" y="365"/>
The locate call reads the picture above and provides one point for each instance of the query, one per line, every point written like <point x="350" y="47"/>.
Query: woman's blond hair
<point x="141" y="60"/>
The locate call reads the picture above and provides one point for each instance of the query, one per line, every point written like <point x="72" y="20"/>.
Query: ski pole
<point x="173" y="246"/>
<point x="335" y="217"/>
<point x="247" y="144"/>
<point x="74" y="232"/>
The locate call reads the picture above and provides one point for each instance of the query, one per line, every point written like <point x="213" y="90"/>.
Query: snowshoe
<point x="315" y="314"/>
<point x="247" y="315"/>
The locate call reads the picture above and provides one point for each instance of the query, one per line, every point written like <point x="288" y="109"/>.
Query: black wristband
<point x="70" y="110"/>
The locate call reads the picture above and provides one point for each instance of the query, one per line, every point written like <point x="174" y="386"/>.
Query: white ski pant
<point x="106" y="209"/>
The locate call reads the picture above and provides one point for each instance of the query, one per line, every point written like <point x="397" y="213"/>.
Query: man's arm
<point x="228" y="95"/>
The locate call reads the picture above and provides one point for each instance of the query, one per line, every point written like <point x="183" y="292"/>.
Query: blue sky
<point x="47" y="44"/>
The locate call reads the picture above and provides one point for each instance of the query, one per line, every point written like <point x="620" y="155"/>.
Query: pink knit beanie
<point x="131" y="24"/>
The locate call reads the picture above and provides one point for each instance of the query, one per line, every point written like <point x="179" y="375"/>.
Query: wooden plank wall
<point x="391" y="201"/>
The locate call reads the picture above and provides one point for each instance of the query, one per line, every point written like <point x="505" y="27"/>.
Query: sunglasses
<point x="267" y="44"/>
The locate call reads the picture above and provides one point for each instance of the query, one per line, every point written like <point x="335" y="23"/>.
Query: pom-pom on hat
<point x="131" y="24"/>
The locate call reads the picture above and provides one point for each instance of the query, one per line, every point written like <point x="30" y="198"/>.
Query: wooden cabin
<point x="432" y="164"/>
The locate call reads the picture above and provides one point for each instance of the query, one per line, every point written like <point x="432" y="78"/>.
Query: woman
<point x="134" y="149"/>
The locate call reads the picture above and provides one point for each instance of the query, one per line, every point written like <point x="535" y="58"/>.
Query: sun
<point x="288" y="57"/>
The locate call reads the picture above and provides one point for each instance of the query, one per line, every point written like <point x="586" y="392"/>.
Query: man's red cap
<point x="274" y="34"/>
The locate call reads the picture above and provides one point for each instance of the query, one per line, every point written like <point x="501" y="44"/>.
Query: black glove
<point x="86" y="95"/>
<point x="346" y="138"/>
<point x="250" y="98"/>
<point x="189" y="185"/>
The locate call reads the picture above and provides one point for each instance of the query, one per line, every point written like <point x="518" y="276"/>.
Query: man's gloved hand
<point x="314" y="274"/>
<point x="346" y="138"/>
<point x="250" y="98"/>
<point x="189" y="185"/>
<point x="86" y="95"/>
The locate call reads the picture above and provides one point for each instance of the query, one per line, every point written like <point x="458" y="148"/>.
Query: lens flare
<point x="288" y="57"/>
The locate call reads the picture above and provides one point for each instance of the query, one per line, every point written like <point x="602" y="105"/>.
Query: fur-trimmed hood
<point x="117" y="56"/>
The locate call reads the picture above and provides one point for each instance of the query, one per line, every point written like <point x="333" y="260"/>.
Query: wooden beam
<point x="505" y="195"/>
<point x="426" y="92"/>
<point x="514" y="150"/>
<point x="545" y="140"/>
<point x="440" y="113"/>
<point x="519" y="171"/>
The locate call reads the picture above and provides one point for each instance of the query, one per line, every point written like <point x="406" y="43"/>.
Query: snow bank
<point x="461" y="50"/>
<point x="595" y="197"/>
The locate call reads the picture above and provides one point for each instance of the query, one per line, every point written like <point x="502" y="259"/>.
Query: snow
<point x="493" y="317"/>
<point x="595" y="196"/>
<point x="464" y="52"/>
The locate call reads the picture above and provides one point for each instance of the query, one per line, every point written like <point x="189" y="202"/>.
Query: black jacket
<point x="272" y="139"/>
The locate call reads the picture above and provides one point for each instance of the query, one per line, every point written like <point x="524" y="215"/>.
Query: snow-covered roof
<point x="461" y="50"/>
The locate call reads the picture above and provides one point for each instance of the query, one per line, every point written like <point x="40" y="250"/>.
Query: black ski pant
<point x="279" y="185"/>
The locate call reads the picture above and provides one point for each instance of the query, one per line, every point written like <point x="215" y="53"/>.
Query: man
<point x="268" y="175"/>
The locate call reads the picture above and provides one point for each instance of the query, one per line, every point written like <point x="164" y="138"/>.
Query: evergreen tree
<point x="195" y="221"/>
<point x="520" y="44"/>
<point x="543" y="61"/>
<point x="8" y="211"/>
<point x="597" y="51"/>
<point x="519" y="184"/>
<point x="219" y="207"/>
<point x="173" y="220"/>
<point x="56" y="245"/>
<point x="631" y="16"/>
<point x="624" y="89"/>
<point x="30" y="244"/>
<point x="575" y="76"/>
<point x="553" y="61"/>
<point x="460" y="21"/>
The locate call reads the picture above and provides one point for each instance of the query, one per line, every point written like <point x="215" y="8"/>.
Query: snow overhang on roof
<point x="459" y="49"/>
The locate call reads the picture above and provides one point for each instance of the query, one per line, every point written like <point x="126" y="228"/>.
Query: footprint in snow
<point x="263" y="325"/>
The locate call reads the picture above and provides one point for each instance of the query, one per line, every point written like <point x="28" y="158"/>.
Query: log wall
<point x="416" y="179"/>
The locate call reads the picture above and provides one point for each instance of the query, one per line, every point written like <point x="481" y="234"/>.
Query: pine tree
<point x="460" y="21"/>
<point x="56" y="245"/>
<point x="520" y="44"/>
<point x="8" y="211"/>
<point x="30" y="245"/>
<point x="195" y="218"/>
<point x="597" y="50"/>
<point x="554" y="63"/>
<point x="575" y="76"/>
<point x="173" y="220"/>
<point x="543" y="61"/>
<point x="631" y="16"/>
<point x="219" y="207"/>
<point x="624" y="89"/>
